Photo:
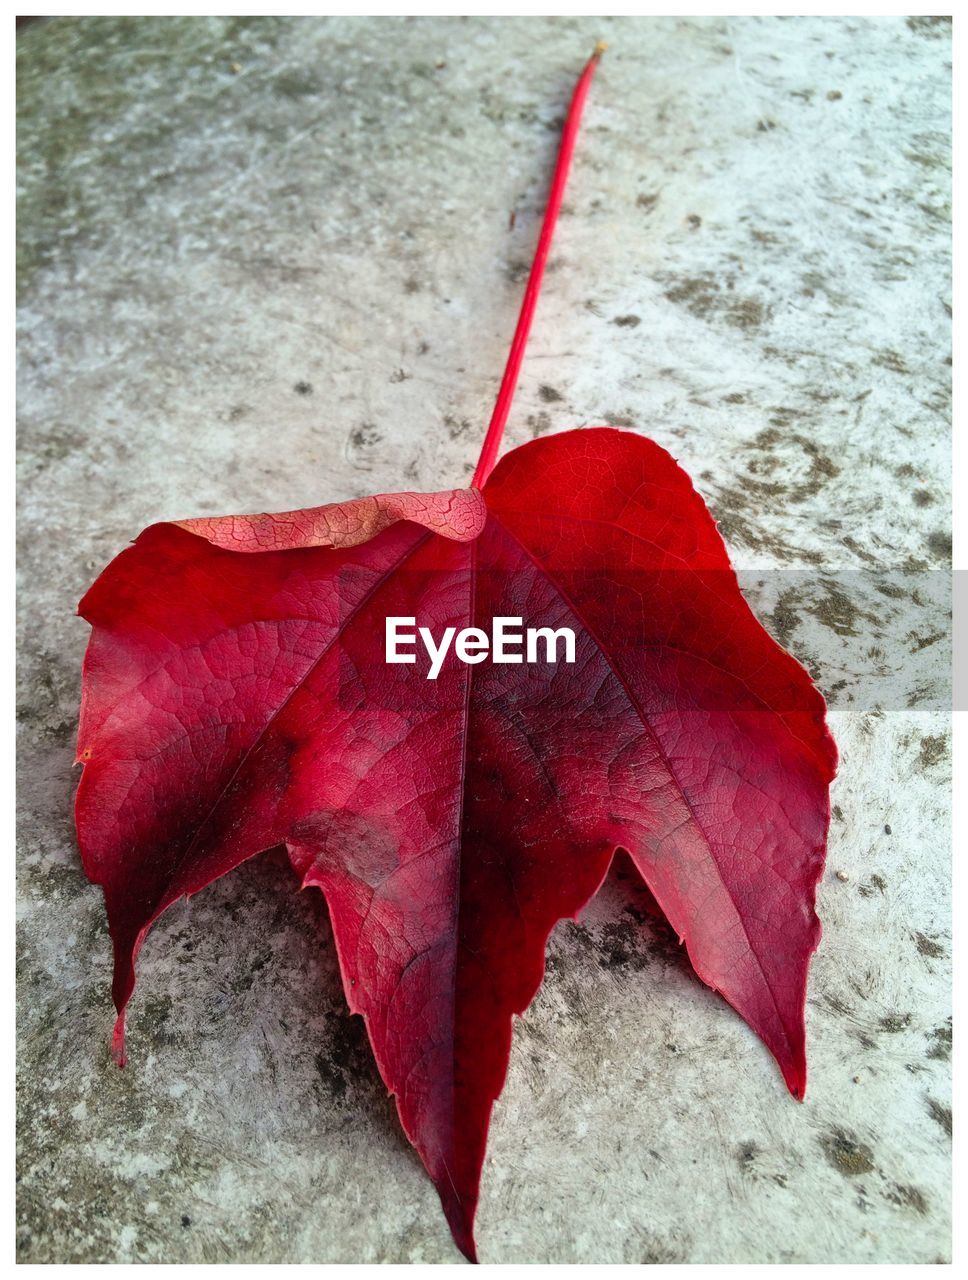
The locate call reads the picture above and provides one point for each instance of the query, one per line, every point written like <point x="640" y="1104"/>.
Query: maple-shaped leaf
<point x="238" y="700"/>
<point x="237" y="697"/>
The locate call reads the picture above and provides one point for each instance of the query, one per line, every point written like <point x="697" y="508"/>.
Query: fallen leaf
<point x="235" y="701"/>
<point x="236" y="697"/>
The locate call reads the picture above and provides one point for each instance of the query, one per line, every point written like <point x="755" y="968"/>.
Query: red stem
<point x="502" y="407"/>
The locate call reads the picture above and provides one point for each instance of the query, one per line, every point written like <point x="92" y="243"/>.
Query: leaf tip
<point x="460" y="1218"/>
<point x="795" y="1073"/>
<point x="464" y="1239"/>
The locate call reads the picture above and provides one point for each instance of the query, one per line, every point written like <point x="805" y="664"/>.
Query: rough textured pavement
<point x="270" y="263"/>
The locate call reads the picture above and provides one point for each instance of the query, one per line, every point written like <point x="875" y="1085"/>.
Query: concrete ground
<point x="271" y="263"/>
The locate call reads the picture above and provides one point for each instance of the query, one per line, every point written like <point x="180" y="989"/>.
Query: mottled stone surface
<point x="268" y="264"/>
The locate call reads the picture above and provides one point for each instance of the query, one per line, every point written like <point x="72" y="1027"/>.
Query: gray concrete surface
<point x="269" y="263"/>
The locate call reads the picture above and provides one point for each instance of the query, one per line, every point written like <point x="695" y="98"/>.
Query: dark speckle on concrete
<point x="784" y="619"/>
<point x="934" y="28"/>
<point x="706" y="296"/>
<point x="939" y="1042"/>
<point x="895" y="1022"/>
<point x="939" y="544"/>
<point x="873" y="885"/>
<point x="846" y="1153"/>
<point x="934" y="750"/>
<point x="837" y="611"/>
<point x="940" y="1114"/>
<point x="891" y="360"/>
<point x="927" y="946"/>
<point x="907" y="1197"/>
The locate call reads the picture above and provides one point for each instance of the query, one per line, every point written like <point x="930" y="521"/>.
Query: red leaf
<point x="233" y="702"/>
<point x="236" y="697"/>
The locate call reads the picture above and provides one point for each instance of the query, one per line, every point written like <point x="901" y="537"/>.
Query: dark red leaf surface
<point x="236" y="697"/>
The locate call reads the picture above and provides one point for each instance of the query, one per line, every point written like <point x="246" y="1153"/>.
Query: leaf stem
<point x="502" y="407"/>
